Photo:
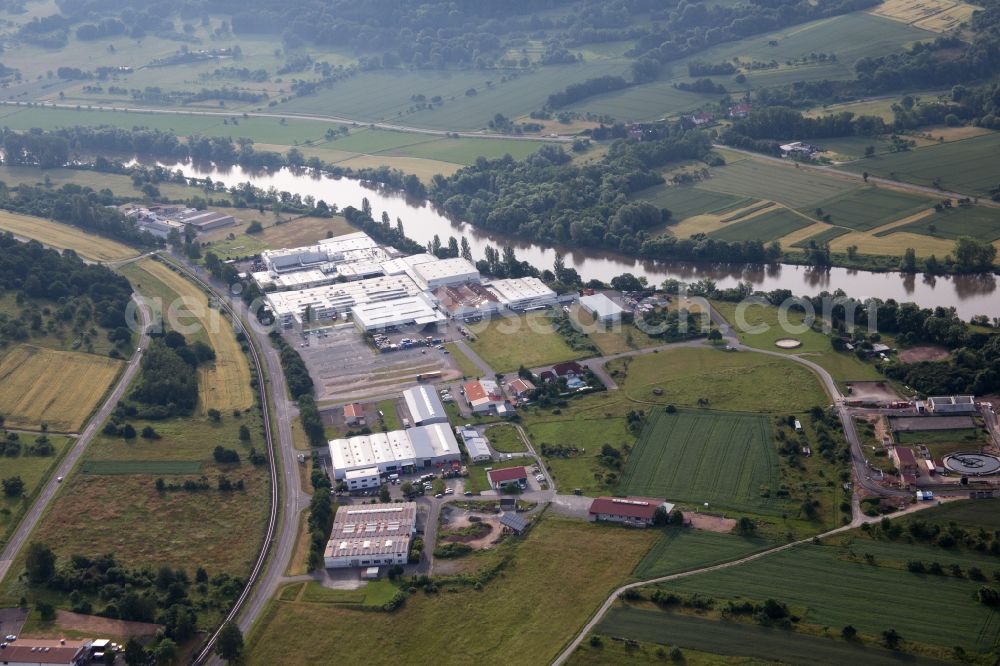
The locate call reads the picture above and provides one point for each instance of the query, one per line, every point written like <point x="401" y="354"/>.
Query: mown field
<point x="975" y="221"/>
<point x="866" y="208"/>
<point x="506" y="343"/>
<point x="766" y="227"/>
<point x="968" y="166"/>
<point x="833" y="586"/>
<point x="686" y="200"/>
<point x="505" y="439"/>
<point x="59" y="388"/>
<point x="63" y="236"/>
<point x="532" y="608"/>
<point x="683" y="549"/>
<point x="721" y="458"/>
<point x="728" y="380"/>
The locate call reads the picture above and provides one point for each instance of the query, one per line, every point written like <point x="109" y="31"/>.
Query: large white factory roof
<point x="395" y="448"/>
<point x="424" y="405"/>
<point x="407" y="310"/>
<point x="445" y="271"/>
<point x="518" y="291"/>
<point x="342" y="296"/>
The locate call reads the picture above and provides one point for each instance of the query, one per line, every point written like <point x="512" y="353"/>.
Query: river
<point x="969" y="294"/>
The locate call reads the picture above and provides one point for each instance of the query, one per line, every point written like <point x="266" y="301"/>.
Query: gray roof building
<point x="424" y="405"/>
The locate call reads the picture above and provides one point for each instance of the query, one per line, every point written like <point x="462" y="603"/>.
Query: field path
<point x="48" y="491"/>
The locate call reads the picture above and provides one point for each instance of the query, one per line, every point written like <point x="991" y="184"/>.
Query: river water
<point x="969" y="294"/>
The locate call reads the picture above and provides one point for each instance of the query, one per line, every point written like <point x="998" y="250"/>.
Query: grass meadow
<point x="725" y="459"/>
<point x="684" y="549"/>
<point x="505" y="439"/>
<point x="766" y="227"/>
<point x="506" y="343"/>
<point x="34" y="471"/>
<point x="870" y="207"/>
<point x="975" y="221"/>
<point x="63" y="236"/>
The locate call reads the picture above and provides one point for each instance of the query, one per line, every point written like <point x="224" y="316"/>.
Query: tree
<point x="383" y="494"/>
<point x="39" y="563"/>
<point x="214" y="415"/>
<point x="746" y="526"/>
<point x="974" y="255"/>
<point x="891" y="638"/>
<point x="715" y="335"/>
<point x="46" y="611"/>
<point x="660" y="516"/>
<point x="406" y="488"/>
<point x="909" y="262"/>
<point x="849" y="632"/>
<point x="244" y="433"/>
<point x="229" y="646"/>
<point x="135" y="655"/>
<point x="13" y="486"/>
<point x="128" y="431"/>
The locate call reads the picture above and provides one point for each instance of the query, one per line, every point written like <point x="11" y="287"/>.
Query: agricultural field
<point x="934" y="15"/>
<point x="683" y="201"/>
<point x="822" y="238"/>
<point x="533" y="607"/>
<point x="866" y="208"/>
<point x="63" y="236"/>
<point x="796" y="188"/>
<point x="649" y="101"/>
<point x="968" y="166"/>
<point x="295" y="232"/>
<point x="724" y="459"/>
<point x="58" y="388"/>
<point x="684" y="549"/>
<point x="506" y="343"/>
<point x="121" y="185"/>
<point x="731" y="381"/>
<point x="505" y="439"/>
<point x="225" y="383"/>
<point x="34" y="471"/>
<point x="765" y="227"/>
<point x="975" y="221"/>
<point x="832" y="585"/>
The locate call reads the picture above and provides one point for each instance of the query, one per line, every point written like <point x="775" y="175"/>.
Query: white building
<point x="422" y="447"/>
<point x="353" y="256"/>
<point x="602" y="308"/>
<point x="444" y="272"/>
<point x="475" y="445"/>
<point x="468" y="300"/>
<point x="362" y="479"/>
<point x="484" y="396"/>
<point x="328" y="301"/>
<point x="372" y="535"/>
<point x="952" y="404"/>
<point x="523" y="293"/>
<point x="417" y="310"/>
<point x="424" y="405"/>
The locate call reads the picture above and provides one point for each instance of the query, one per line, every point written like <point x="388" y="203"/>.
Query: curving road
<point x="48" y="491"/>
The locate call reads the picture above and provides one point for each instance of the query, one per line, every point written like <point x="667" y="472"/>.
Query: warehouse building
<point x="373" y="535"/>
<point x="521" y="294"/>
<point x="329" y="301"/>
<point x="41" y="652"/>
<point x="397" y="451"/>
<point x="349" y="257"/>
<point x="444" y="272"/>
<point x="424" y="406"/>
<point x="204" y="220"/>
<point x="417" y="310"/>
<point x="475" y="445"/>
<point x="601" y="308"/>
<point x="363" y="479"/>
<point x="952" y="404"/>
<point x="631" y="511"/>
<point x="467" y="301"/>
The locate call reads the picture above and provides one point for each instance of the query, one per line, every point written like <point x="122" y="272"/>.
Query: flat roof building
<point x="467" y="300"/>
<point x="415" y="310"/>
<point x="373" y="535"/>
<point x="602" y="308"/>
<point x="422" y="447"/>
<point x="204" y="220"/>
<point x="445" y="272"/>
<point x="523" y="293"/>
<point x="952" y="404"/>
<point x="631" y="511"/>
<point x="363" y="479"/>
<point x="424" y="405"/>
<point x="475" y="445"/>
<point x="39" y="652"/>
<point x="328" y="301"/>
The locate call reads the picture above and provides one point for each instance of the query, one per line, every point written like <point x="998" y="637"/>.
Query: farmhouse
<point x="484" y="396"/>
<point x="422" y="447"/>
<point x="522" y="294"/>
<point x="34" y="652"/>
<point x="424" y="406"/>
<point x="354" y="414"/>
<point x="955" y="404"/>
<point x="631" y="511"/>
<point x="602" y="308"/>
<point x="507" y="477"/>
<point x="365" y="536"/>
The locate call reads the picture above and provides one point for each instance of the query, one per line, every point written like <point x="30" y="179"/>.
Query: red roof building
<point x="504" y="477"/>
<point x="354" y="414"/>
<point x="518" y="387"/>
<point x="568" y="368"/>
<point x="31" y="651"/>
<point x="632" y="511"/>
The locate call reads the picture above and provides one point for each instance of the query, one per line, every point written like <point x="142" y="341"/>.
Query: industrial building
<point x="445" y="272"/>
<point x="467" y="301"/>
<point x="475" y="445"/>
<point x="423" y="447"/>
<point x="521" y="294"/>
<point x="348" y="257"/>
<point x="363" y="479"/>
<point x="373" y="535"/>
<point x="415" y="310"/>
<point x="204" y="220"/>
<point x="424" y="406"/>
<point x="952" y="404"/>
<point x="631" y="511"/>
<point x="602" y="308"/>
<point x="484" y="396"/>
<point x="36" y="652"/>
<point x="329" y="301"/>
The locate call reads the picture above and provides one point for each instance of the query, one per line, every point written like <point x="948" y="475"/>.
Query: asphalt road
<point x="48" y="492"/>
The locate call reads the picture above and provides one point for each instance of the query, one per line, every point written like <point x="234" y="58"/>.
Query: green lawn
<point x="725" y="459"/>
<point x="532" y="608"/>
<point x="732" y="381"/>
<point x="391" y="418"/>
<point x="683" y="549"/>
<point x="975" y="221"/>
<point x="374" y="594"/>
<point x="507" y="343"/>
<point x="505" y="439"/>
<point x="765" y="227"/>
<point x="866" y="208"/>
<point x="465" y="364"/>
<point x="477" y="482"/>
<point x="687" y="200"/>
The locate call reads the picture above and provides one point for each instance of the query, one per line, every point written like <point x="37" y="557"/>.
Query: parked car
<point x="439" y="496"/>
<point x="449" y="491"/>
<point x="540" y="478"/>
<point x="468" y="493"/>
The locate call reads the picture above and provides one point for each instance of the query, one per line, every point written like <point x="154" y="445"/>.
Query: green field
<point x="733" y="381"/>
<point x="765" y="227"/>
<point x="505" y="439"/>
<point x="34" y="471"/>
<point x="969" y="166"/>
<point x="797" y="188"/>
<point x="506" y="343"/>
<point x="725" y="459"/>
<point x="533" y="607"/>
<point x="972" y="515"/>
<point x="374" y="594"/>
<point x="833" y="585"/>
<point x="744" y="640"/>
<point x="140" y="467"/>
<point x="684" y="549"/>
<point x="684" y="200"/>
<point x="822" y="237"/>
<point x="975" y="221"/>
<point x="870" y="207"/>
<point x="649" y="101"/>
